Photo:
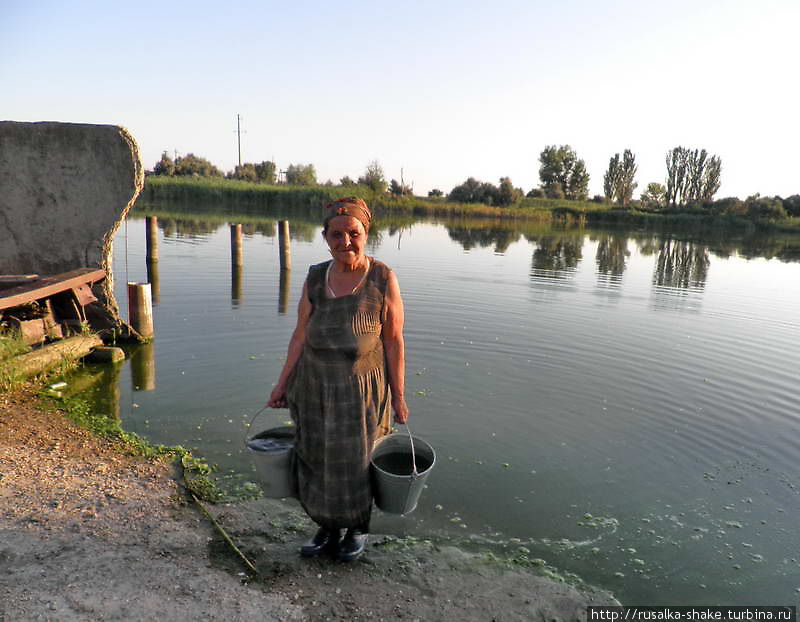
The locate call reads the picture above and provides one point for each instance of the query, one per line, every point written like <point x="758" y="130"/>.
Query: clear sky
<point x="443" y="89"/>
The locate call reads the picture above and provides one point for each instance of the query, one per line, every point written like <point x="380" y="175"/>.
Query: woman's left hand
<point x="400" y="409"/>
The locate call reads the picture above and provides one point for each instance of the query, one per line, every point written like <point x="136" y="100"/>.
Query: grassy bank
<point x="261" y="201"/>
<point x="198" y="475"/>
<point x="11" y="345"/>
<point x="252" y="198"/>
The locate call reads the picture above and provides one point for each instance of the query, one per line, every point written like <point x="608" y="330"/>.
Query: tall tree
<point x="692" y="176"/>
<point x="654" y="195"/>
<point x="507" y="194"/>
<point x="611" y="178"/>
<point x="711" y="179"/>
<point x="577" y="187"/>
<point x="301" y="175"/>
<point x="373" y="177"/>
<point x="165" y="166"/>
<point x="266" y="172"/>
<point x="561" y="171"/>
<point x="625" y="182"/>
<point x="245" y="172"/>
<point x="474" y="191"/>
<point x="399" y="189"/>
<point x="191" y="164"/>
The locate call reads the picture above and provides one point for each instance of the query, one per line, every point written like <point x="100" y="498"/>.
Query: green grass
<point x="11" y="345"/>
<point x="249" y="198"/>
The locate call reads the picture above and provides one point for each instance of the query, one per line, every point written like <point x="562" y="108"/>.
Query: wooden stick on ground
<point x="249" y="564"/>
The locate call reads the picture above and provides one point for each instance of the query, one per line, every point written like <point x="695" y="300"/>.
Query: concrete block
<point x="106" y="354"/>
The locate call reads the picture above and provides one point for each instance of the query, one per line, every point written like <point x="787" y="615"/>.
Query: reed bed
<point x="282" y="201"/>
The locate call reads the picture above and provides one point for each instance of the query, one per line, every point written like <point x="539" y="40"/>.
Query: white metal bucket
<point x="274" y="464"/>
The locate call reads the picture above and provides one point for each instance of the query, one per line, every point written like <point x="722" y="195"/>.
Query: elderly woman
<point x="344" y="370"/>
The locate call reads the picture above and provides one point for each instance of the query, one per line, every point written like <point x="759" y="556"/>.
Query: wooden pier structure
<point x="50" y="306"/>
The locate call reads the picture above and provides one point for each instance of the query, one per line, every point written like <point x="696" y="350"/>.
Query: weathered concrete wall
<point x="64" y="189"/>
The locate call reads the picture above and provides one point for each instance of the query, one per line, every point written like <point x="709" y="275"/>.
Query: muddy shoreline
<point x="88" y="531"/>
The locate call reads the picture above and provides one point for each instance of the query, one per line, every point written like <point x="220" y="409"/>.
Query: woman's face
<point x="346" y="238"/>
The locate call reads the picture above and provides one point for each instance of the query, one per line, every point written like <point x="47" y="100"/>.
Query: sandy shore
<point x="88" y="532"/>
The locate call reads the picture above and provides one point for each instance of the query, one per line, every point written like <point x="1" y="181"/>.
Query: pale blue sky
<point x="446" y="90"/>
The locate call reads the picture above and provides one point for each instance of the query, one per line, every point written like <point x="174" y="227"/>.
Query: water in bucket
<point x="397" y="488"/>
<point x="400" y="463"/>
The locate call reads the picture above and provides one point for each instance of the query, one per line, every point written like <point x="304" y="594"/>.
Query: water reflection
<point x="612" y="252"/>
<point x="143" y="367"/>
<point x="283" y="292"/>
<point x="102" y="383"/>
<point x="154" y="279"/>
<point x="237" y="285"/>
<point x="187" y="228"/>
<point x="470" y="237"/>
<point x="648" y="245"/>
<point x="681" y="265"/>
<point x="556" y="256"/>
<point x="679" y="275"/>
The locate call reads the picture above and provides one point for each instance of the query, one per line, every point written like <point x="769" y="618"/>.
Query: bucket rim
<point x="289" y="432"/>
<point x="410" y="476"/>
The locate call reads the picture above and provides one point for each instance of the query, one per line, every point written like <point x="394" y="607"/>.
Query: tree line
<point x="692" y="179"/>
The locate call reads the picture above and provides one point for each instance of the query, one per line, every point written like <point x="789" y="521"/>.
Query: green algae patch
<point x="198" y="475"/>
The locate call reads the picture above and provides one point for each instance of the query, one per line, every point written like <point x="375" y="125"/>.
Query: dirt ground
<point x="90" y="533"/>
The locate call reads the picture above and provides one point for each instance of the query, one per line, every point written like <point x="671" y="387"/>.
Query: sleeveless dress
<point x="339" y="399"/>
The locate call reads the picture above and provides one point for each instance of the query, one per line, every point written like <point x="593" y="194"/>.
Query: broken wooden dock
<point x="56" y="303"/>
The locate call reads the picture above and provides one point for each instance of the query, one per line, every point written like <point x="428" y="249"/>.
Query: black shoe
<point x="323" y="539"/>
<point x="352" y="545"/>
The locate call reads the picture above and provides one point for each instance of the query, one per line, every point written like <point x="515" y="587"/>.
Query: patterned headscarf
<point x="349" y="206"/>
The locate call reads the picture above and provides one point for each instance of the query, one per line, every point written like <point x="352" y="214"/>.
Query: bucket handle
<point x="250" y="425"/>
<point x="414" y="473"/>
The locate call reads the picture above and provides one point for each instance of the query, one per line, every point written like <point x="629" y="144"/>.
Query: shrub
<point x="792" y="205"/>
<point x="765" y="208"/>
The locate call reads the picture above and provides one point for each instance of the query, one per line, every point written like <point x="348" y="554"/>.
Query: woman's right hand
<point x="277" y="399"/>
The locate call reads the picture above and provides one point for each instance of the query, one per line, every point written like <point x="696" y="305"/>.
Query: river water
<point x="623" y="405"/>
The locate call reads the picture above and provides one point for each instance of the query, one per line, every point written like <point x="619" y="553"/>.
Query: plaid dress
<point x="339" y="399"/>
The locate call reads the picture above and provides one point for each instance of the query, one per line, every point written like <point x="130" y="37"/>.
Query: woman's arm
<point x="394" y="347"/>
<point x="277" y="398"/>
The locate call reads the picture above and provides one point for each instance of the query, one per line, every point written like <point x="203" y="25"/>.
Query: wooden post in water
<point x="285" y="245"/>
<point x="237" y="255"/>
<point x="152" y="238"/>
<point x="140" y="309"/>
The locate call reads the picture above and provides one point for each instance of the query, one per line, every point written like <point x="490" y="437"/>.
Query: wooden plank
<point x="49" y="285"/>
<point x="18" y="279"/>
<point x="32" y="332"/>
<point x="83" y="294"/>
<point x="8" y="281"/>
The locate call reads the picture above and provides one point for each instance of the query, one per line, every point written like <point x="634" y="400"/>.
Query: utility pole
<point x="239" y="138"/>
